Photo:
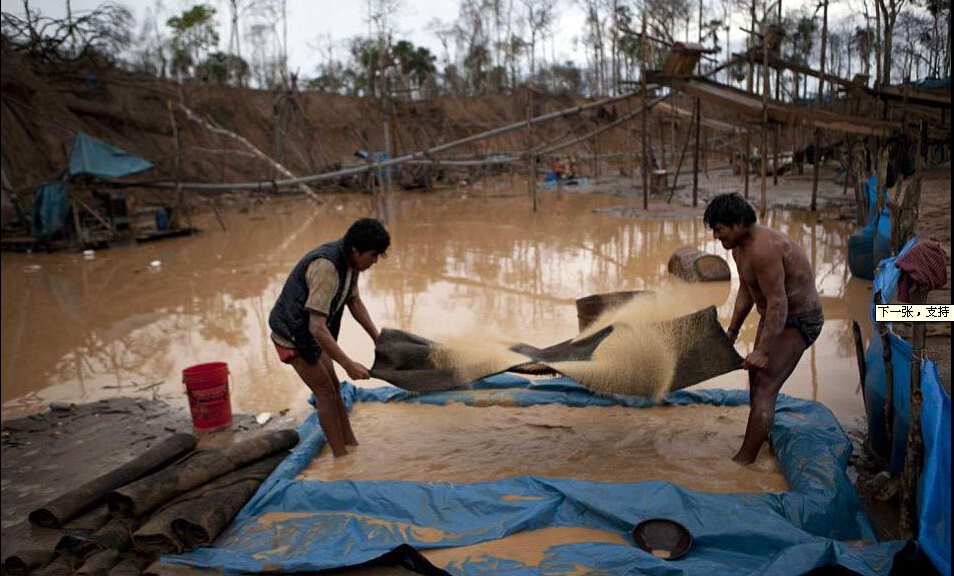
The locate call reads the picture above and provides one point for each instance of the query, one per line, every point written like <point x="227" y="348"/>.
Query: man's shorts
<point x="810" y="325"/>
<point x="285" y="354"/>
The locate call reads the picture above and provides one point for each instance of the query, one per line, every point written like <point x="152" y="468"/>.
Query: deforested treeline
<point x="496" y="46"/>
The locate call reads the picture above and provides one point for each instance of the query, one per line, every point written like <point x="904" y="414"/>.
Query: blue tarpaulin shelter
<point x="305" y="525"/>
<point x="88" y="157"/>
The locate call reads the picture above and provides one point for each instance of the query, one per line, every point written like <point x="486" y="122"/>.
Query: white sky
<point x="309" y="20"/>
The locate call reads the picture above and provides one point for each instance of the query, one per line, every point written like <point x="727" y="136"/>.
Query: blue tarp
<point x="934" y="489"/>
<point x="873" y="242"/>
<point x="298" y="525"/>
<point x="91" y="157"/>
<point x="51" y="205"/>
<point x="929" y="83"/>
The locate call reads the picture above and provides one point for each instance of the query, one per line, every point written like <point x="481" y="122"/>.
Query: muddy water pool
<point x="76" y="329"/>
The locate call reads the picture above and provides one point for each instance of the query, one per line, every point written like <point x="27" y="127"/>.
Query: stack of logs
<point x="170" y="499"/>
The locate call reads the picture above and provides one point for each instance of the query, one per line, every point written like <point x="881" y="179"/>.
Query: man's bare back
<point x="776" y="278"/>
<point x="800" y="292"/>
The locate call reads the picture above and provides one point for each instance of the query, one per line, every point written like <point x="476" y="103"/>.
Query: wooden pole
<point x="643" y="86"/>
<point x="848" y="168"/>
<point x="180" y="196"/>
<point x="859" y="356"/>
<point x="778" y="96"/>
<point x="888" y="384"/>
<point x="672" y="135"/>
<point x="80" y="237"/>
<point x="821" y="86"/>
<point x="697" y="117"/>
<point x="763" y="153"/>
<point x="531" y="157"/>
<point x="913" y="454"/>
<point x="775" y="154"/>
<point x="695" y="155"/>
<point x="749" y="80"/>
<point x="682" y="156"/>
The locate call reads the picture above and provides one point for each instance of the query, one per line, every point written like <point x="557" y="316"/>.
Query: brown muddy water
<point x="76" y="329"/>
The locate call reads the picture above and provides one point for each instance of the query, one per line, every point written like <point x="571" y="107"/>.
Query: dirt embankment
<point x="308" y="132"/>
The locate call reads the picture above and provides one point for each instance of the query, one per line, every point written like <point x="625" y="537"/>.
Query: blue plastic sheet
<point x="872" y="242"/>
<point x="298" y="525"/>
<point x="934" y="489"/>
<point x="51" y="205"/>
<point x="91" y="157"/>
<point x="886" y="282"/>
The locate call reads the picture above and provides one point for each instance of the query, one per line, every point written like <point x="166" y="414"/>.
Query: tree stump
<point x="693" y="265"/>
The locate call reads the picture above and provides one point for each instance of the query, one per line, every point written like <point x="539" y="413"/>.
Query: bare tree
<point x="539" y="17"/>
<point x="238" y="9"/>
<point x="890" y="10"/>
<point x="102" y="33"/>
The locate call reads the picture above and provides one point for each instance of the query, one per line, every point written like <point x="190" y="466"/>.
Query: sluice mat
<point x="701" y="348"/>
<point x="99" y="563"/>
<point x="130" y="565"/>
<point x="26" y="560"/>
<point x="87" y="496"/>
<point x="202" y="513"/>
<point x="143" y="496"/>
<point x="115" y="534"/>
<point x="60" y="566"/>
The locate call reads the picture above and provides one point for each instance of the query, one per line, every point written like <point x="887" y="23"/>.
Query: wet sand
<point x="528" y="548"/>
<point x="689" y="445"/>
<point x="468" y="260"/>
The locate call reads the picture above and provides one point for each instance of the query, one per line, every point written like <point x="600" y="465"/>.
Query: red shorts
<point x="285" y="354"/>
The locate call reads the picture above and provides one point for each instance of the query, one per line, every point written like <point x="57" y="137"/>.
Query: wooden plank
<point x="751" y="107"/>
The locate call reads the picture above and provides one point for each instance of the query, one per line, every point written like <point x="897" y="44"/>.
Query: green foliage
<point x="193" y="34"/>
<point x="221" y="67"/>
<point x="417" y="64"/>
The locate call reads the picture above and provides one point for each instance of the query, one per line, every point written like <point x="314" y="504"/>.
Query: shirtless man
<point x="776" y="277"/>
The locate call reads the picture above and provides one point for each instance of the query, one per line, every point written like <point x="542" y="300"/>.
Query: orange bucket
<point x="207" y="386"/>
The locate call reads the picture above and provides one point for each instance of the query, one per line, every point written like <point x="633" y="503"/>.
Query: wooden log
<point x="693" y="265"/>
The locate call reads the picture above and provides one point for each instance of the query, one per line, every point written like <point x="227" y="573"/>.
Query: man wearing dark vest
<point x="307" y="317"/>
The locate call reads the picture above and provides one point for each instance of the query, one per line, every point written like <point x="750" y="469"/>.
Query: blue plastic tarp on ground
<point x="91" y="157"/>
<point x="305" y="525"/>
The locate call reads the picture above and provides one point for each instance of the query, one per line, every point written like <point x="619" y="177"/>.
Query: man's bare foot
<point x="743" y="459"/>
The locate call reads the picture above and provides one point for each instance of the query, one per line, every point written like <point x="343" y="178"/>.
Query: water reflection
<point x="80" y="330"/>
